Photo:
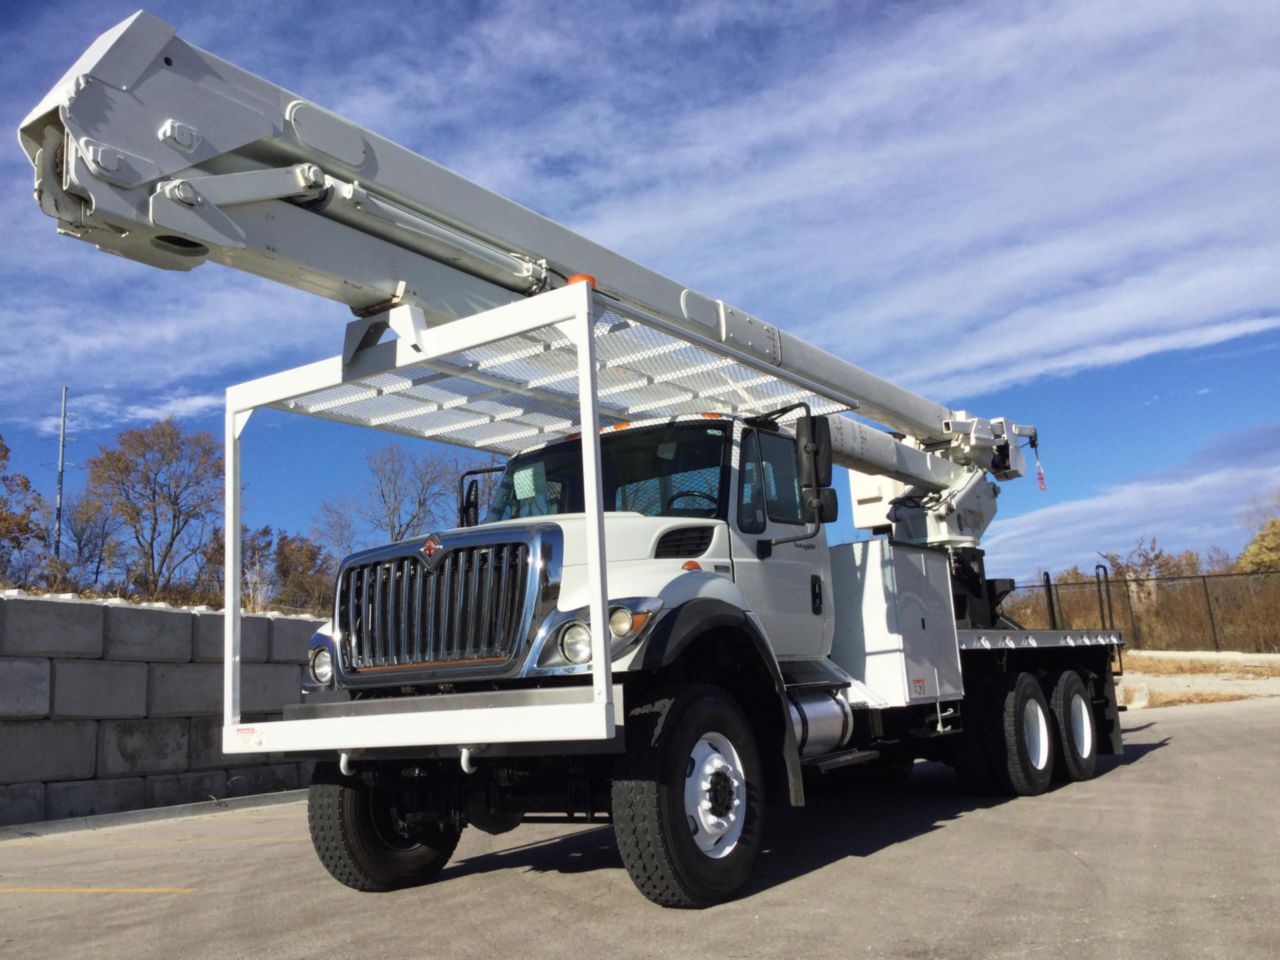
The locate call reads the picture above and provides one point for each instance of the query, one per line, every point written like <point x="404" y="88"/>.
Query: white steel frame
<point x="570" y="310"/>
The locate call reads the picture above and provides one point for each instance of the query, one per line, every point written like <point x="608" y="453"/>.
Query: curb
<point x="1233" y="657"/>
<point x="24" y="831"/>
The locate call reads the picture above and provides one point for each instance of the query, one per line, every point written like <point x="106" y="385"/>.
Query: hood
<point x="628" y="536"/>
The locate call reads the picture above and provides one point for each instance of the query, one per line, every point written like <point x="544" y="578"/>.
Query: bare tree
<point x="257" y="575"/>
<point x="92" y="532"/>
<point x="1262" y="552"/>
<point x="1261" y="510"/>
<point x="407" y="494"/>
<point x="336" y="526"/>
<point x="257" y="583"/>
<point x="166" y="487"/>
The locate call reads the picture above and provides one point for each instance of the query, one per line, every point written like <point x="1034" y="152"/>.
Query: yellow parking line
<point x="50" y="841"/>
<point x="97" y="889"/>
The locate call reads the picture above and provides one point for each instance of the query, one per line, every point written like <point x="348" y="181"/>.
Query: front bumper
<point x="558" y="715"/>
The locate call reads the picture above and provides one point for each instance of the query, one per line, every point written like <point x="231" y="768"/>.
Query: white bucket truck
<point x="647" y="623"/>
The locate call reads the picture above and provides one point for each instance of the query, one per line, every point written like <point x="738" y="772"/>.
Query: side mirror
<point x="822" y="505"/>
<point x="469" y="514"/>
<point x="813" y="451"/>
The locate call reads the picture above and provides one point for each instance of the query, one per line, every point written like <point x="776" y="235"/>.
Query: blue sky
<point x="1065" y="213"/>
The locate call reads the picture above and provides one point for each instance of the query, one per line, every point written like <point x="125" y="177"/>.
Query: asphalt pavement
<point x="1170" y="852"/>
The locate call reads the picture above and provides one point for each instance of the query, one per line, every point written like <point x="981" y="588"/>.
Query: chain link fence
<point x="1229" y="611"/>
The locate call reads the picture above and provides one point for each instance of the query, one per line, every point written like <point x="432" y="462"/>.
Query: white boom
<point x="155" y="150"/>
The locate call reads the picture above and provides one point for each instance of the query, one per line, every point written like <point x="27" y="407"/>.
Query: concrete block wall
<point x="107" y="706"/>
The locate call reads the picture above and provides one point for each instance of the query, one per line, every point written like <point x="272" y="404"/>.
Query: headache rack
<point x="557" y="364"/>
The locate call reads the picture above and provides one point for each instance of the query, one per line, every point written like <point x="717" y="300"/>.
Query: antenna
<point x="57" y="510"/>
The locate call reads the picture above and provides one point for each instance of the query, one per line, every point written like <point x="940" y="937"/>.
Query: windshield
<point x="671" y="470"/>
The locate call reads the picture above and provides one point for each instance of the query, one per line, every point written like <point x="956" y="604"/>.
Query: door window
<point x="781" y="484"/>
<point x="751" y="506"/>
<point x="768" y="485"/>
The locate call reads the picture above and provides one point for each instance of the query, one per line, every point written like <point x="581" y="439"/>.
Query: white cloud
<point x="957" y="197"/>
<point x="1193" y="507"/>
<point x="98" y="411"/>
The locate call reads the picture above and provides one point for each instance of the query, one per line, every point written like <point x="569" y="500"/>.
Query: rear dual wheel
<point x="1077" y="738"/>
<point x="1027" y="738"/>
<point x="1017" y="742"/>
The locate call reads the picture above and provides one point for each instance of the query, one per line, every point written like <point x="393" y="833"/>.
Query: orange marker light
<point x="583" y="278"/>
<point x="691" y="565"/>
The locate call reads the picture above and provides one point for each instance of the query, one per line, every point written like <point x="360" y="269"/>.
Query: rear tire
<point x="1077" y="731"/>
<point x="1027" y="738"/>
<point x="361" y="841"/>
<point x="688" y="797"/>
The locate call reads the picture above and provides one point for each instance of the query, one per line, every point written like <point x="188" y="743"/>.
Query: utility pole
<point x="57" y="509"/>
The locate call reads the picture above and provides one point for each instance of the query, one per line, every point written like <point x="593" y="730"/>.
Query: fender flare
<point x="680" y="627"/>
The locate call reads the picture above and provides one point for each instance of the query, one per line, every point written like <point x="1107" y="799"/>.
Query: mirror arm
<point x="810" y="531"/>
<point x="462" y="479"/>
<point x="764" y="547"/>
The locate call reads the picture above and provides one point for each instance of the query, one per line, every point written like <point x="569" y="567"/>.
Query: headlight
<point x="575" y="642"/>
<point x="567" y="643"/>
<point x="620" y="622"/>
<point x="322" y="667"/>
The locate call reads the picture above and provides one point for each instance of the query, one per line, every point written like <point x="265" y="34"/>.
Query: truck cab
<point x="689" y="503"/>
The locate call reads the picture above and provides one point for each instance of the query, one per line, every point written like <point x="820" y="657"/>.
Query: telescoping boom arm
<point x="155" y="150"/>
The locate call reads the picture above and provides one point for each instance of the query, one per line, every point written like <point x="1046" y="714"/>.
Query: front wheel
<point x="362" y="840"/>
<point x="688" y="797"/>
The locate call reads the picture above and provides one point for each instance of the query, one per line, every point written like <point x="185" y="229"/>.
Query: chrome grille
<point x="466" y="609"/>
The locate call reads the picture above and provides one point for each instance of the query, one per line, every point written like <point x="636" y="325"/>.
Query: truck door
<point x="785" y="590"/>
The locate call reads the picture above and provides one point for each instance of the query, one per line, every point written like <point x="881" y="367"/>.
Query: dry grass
<point x="1136" y="662"/>
<point x="1169" y="614"/>
<point x="1159" y="698"/>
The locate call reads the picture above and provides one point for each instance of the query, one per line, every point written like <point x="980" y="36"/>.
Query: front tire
<point x="688" y="797"/>
<point x="1076" y="730"/>
<point x="361" y="841"/>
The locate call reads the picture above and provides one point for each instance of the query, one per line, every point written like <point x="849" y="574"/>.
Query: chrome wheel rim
<point x="715" y="795"/>
<point x="1081" y="726"/>
<point x="1035" y="734"/>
